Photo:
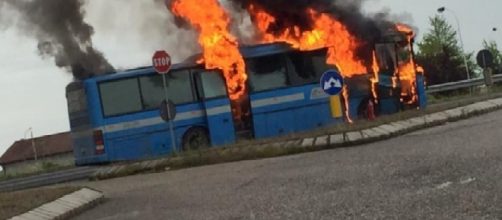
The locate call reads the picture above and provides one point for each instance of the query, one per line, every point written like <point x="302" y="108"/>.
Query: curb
<point x="65" y="207"/>
<point x="393" y="129"/>
<point x="314" y="143"/>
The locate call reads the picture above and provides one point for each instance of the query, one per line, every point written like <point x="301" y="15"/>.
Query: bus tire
<point x="196" y="138"/>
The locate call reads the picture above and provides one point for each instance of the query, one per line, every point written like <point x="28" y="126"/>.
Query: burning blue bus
<point x="115" y="117"/>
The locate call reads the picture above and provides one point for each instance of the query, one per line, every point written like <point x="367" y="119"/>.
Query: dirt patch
<point x="19" y="202"/>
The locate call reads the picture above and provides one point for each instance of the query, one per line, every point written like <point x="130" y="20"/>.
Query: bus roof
<point x="246" y="51"/>
<point x="264" y="49"/>
<point x="140" y="71"/>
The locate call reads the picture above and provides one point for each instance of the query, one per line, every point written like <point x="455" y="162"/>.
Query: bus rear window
<point x="120" y="97"/>
<point x="75" y="96"/>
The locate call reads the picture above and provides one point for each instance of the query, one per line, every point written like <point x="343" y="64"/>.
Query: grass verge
<point x="259" y="149"/>
<point x="50" y="168"/>
<point x="440" y="103"/>
<point x="19" y="202"/>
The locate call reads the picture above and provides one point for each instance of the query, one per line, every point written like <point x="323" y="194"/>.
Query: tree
<point x="440" y="54"/>
<point x="497" y="55"/>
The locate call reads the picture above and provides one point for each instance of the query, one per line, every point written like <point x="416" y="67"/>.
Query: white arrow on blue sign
<point x="332" y="82"/>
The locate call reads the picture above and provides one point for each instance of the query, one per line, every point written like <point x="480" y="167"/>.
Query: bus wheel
<point x="195" y="139"/>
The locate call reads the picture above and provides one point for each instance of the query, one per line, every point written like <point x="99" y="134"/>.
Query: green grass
<point x="19" y="202"/>
<point x="46" y="167"/>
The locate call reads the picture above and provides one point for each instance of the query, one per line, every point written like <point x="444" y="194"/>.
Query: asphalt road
<point x="448" y="172"/>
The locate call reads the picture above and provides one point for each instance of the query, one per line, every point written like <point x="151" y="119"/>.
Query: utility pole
<point x="32" y="142"/>
<point x="443" y="9"/>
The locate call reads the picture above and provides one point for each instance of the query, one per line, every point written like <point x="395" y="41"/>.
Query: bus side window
<point x="179" y="89"/>
<point x="213" y="85"/>
<point x="319" y="62"/>
<point x="300" y="69"/>
<point x="266" y="73"/>
<point x="307" y="67"/>
<point x="120" y="97"/>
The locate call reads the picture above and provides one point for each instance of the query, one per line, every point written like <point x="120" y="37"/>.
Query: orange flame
<point x="220" y="48"/>
<point x="376" y="78"/>
<point x="407" y="76"/>
<point x="345" y="95"/>
<point x="408" y="69"/>
<point x="405" y="29"/>
<point x="326" y="32"/>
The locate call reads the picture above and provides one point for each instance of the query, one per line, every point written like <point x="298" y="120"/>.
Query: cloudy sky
<point x="127" y="32"/>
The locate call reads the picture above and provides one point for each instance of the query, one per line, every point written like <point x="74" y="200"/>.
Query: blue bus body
<point x="290" y="110"/>
<point x="115" y="117"/>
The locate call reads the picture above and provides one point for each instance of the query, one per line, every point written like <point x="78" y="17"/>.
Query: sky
<point x="32" y="89"/>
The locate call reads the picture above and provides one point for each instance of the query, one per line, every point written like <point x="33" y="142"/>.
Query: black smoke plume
<point x="349" y="12"/>
<point x="62" y="33"/>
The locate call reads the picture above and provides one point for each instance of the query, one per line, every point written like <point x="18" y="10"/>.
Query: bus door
<point x="389" y="88"/>
<point x="217" y="105"/>
<point x="273" y="105"/>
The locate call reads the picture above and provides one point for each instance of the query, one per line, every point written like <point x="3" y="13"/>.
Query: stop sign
<point x="161" y="62"/>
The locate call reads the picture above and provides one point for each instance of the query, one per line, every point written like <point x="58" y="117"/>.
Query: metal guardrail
<point x="77" y="173"/>
<point x="461" y="84"/>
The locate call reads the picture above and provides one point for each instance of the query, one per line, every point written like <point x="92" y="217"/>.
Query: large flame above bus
<point x="220" y="47"/>
<point x="325" y="32"/>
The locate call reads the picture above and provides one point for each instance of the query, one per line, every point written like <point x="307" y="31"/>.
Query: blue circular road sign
<point x="332" y="82"/>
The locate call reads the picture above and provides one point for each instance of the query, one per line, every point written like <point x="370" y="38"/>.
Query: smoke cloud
<point x="152" y="28"/>
<point x="291" y="13"/>
<point x="62" y="34"/>
<point x="349" y="12"/>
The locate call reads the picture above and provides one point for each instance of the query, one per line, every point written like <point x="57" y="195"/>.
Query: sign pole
<point x="336" y="106"/>
<point x="332" y="85"/>
<point x="171" y="125"/>
<point x="162" y="64"/>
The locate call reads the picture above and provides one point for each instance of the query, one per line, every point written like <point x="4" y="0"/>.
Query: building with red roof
<point x="31" y="155"/>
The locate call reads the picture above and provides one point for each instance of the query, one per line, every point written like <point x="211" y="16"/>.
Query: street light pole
<point x="443" y="9"/>
<point x="32" y="142"/>
<point x="494" y="34"/>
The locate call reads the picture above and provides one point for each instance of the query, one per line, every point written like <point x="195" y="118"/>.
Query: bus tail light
<point x="99" y="142"/>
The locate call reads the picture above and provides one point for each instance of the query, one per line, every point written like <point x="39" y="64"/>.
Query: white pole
<point x="33" y="144"/>
<point x="461" y="42"/>
<point x="171" y="125"/>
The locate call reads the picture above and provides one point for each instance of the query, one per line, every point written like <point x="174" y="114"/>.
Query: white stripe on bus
<point x="197" y="114"/>
<point x="219" y="110"/>
<point x="132" y="124"/>
<point x="278" y="100"/>
<point x="151" y="121"/>
<point x="157" y="120"/>
<point x="189" y="115"/>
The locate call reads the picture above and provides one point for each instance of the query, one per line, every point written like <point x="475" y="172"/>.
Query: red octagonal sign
<point x="161" y="62"/>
